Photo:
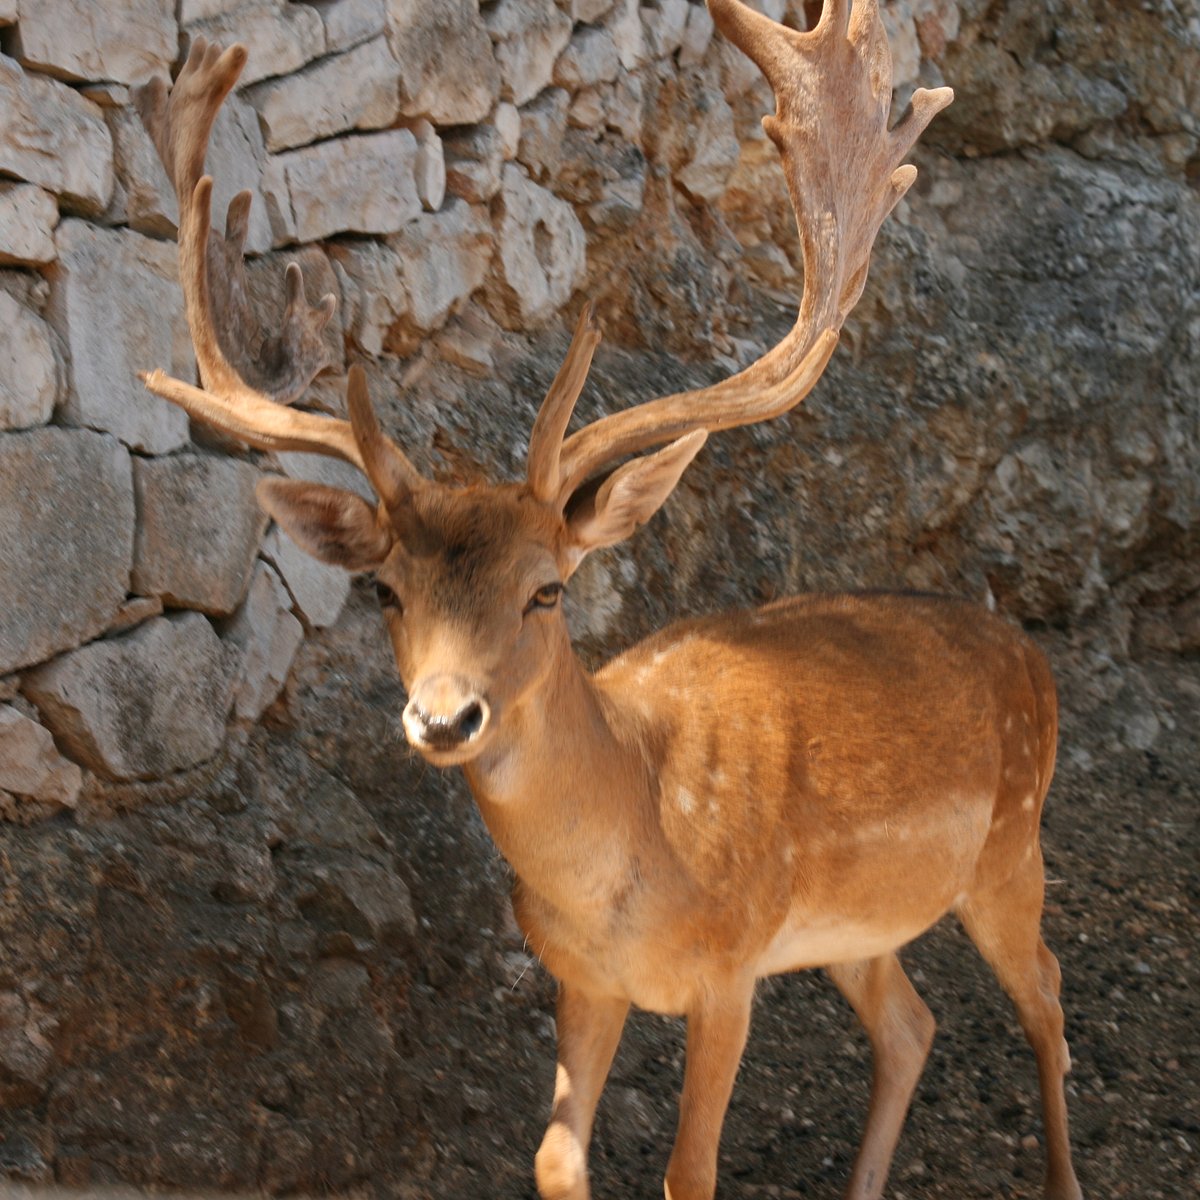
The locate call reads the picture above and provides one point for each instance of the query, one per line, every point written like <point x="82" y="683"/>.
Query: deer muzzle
<point x="445" y="713"/>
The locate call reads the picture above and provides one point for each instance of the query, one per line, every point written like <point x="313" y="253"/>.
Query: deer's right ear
<point x="333" y="525"/>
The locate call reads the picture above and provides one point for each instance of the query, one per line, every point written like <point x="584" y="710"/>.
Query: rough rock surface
<point x="66" y="540"/>
<point x="28" y="370"/>
<point x="363" y="184"/>
<point x="28" y="216"/>
<point x="267" y="637"/>
<point x="529" y="36"/>
<point x="280" y="36"/>
<point x="30" y="765"/>
<point x="141" y="705"/>
<point x="117" y="306"/>
<point x="540" y="252"/>
<point x="52" y="136"/>
<point x="199" y="526"/>
<point x="355" y="90"/>
<point x="125" y="43"/>
<point x="318" y="591"/>
<point x="447" y="71"/>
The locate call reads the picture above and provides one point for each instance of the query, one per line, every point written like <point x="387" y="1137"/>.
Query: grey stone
<point x="281" y="37"/>
<point x="362" y="898"/>
<point x="30" y="764"/>
<point x="624" y="24"/>
<point x="143" y="197"/>
<point x="28" y="216"/>
<point x="318" y="591"/>
<point x="529" y="37"/>
<point x="713" y="150"/>
<point x="430" y="168"/>
<point x="142" y="705"/>
<point x="448" y="73"/>
<point x="697" y="36"/>
<point x="587" y="109"/>
<point x="133" y="612"/>
<point x="359" y="184"/>
<point x="474" y="159"/>
<point x="541" y="252"/>
<point x="318" y="468"/>
<point x="543" y="127"/>
<point x="355" y="90"/>
<point x="376" y="298"/>
<point x="349" y="23"/>
<point x="50" y="135"/>
<point x="199" y="526"/>
<point x="236" y="161"/>
<point x="117" y="305"/>
<point x="902" y="40"/>
<point x="665" y="26"/>
<point x="585" y="10"/>
<point x="66" y="540"/>
<point x="78" y="39"/>
<point x="507" y="120"/>
<point x="590" y="58"/>
<point x="445" y="257"/>
<point x="28" y="371"/>
<point x="267" y="636"/>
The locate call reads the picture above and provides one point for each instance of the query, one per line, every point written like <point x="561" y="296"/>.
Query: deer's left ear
<point x="630" y="496"/>
<point x="333" y="525"/>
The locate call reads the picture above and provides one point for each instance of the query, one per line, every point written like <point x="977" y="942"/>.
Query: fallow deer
<point x="809" y="784"/>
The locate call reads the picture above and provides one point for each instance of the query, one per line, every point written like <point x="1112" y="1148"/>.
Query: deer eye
<point x="387" y="597"/>
<point x="545" y="597"/>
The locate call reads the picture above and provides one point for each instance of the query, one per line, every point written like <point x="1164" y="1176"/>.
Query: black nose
<point x="445" y="733"/>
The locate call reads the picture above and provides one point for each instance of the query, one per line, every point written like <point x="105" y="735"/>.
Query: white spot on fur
<point x="686" y="802"/>
<point x="1028" y="803"/>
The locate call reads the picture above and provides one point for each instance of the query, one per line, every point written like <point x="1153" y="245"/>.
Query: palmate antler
<point x="844" y="172"/>
<point x="833" y="90"/>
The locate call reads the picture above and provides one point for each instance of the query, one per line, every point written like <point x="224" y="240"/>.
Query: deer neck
<point x="555" y="791"/>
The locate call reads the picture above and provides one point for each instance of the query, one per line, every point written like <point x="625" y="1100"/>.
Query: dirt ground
<point x="1120" y="841"/>
<point x="222" y="1032"/>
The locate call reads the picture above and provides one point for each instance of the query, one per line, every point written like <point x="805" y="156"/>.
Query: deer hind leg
<point x="589" y="1029"/>
<point x="901" y="1028"/>
<point x="716" y="1037"/>
<point x="1003" y="919"/>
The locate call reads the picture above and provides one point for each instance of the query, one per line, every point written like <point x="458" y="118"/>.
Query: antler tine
<point x="545" y="442"/>
<point x="843" y="168"/>
<point x="249" y="376"/>
<point x="392" y="476"/>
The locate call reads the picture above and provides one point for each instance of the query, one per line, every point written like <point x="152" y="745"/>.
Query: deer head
<point x="471" y="578"/>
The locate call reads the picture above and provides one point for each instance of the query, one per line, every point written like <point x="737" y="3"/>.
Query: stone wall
<point x="458" y="174"/>
<point x="1012" y="414"/>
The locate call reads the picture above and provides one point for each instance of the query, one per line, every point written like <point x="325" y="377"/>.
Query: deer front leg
<point x="716" y="1037"/>
<point x="589" y="1028"/>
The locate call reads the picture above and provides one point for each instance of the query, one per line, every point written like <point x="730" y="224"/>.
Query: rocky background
<point x="248" y="943"/>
